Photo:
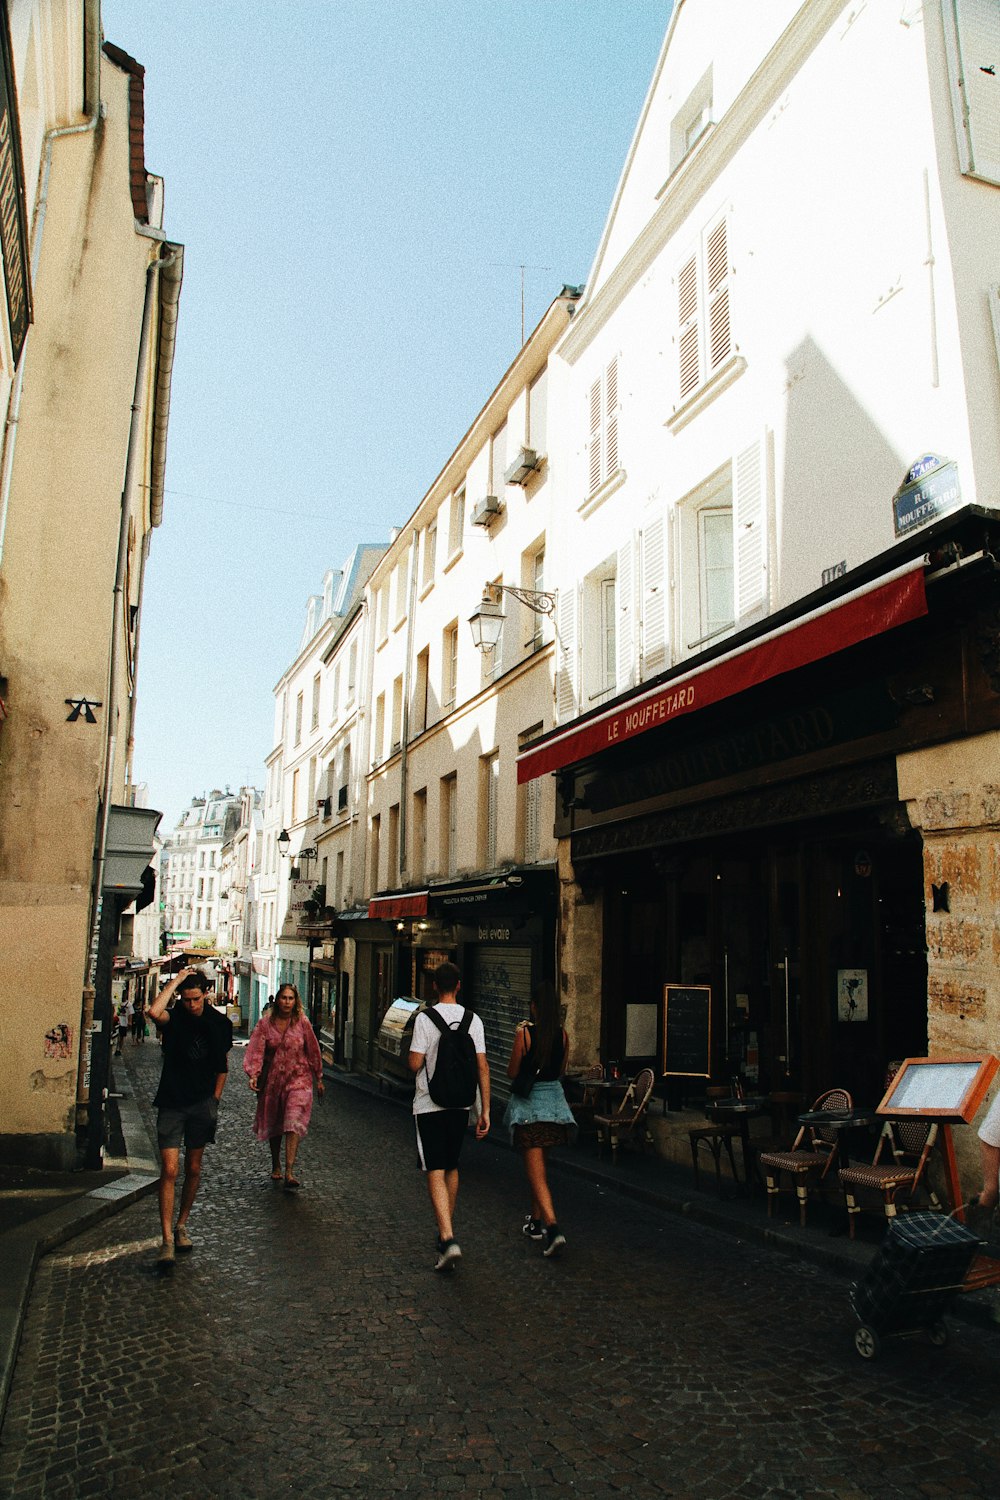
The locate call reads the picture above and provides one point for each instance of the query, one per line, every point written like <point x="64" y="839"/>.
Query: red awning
<point x="860" y="616"/>
<point x="384" y="907"/>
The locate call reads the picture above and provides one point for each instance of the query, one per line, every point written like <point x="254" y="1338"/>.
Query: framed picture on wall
<point x="852" y="994"/>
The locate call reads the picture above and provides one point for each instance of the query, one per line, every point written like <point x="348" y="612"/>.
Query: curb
<point x="22" y="1248"/>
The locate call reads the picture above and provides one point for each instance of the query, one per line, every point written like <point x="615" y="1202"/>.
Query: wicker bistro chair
<point x="717" y="1136"/>
<point x="629" y="1120"/>
<point x="809" y="1162"/>
<point x="585" y="1107"/>
<point x="909" y="1142"/>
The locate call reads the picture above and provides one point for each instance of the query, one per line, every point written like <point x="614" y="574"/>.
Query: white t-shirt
<point x="426" y="1038"/>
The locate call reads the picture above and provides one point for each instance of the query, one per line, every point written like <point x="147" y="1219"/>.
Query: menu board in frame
<point x="687" y="1030"/>
<point x="940" y="1088"/>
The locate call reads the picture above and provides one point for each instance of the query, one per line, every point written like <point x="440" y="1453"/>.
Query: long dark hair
<point x="547" y="1023"/>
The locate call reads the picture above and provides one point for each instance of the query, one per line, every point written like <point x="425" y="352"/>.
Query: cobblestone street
<point x="307" y="1347"/>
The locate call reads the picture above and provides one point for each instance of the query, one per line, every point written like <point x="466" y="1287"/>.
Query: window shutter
<point x="750" y="525"/>
<point x="717" y="269"/>
<point x="611" y="419"/>
<point x="595" y="436"/>
<point x="625" y="622"/>
<point x="492" y="798"/>
<point x="565" y="678"/>
<point x="687" y="326"/>
<point x="977" y="24"/>
<point x="654" y="599"/>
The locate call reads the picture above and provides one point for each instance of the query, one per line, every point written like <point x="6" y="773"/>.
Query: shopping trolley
<point x="925" y="1261"/>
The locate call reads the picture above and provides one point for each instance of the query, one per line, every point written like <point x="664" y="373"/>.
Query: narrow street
<point x="308" y="1348"/>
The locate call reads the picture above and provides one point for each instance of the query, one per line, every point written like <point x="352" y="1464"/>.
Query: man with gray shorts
<point x="196" y="1041"/>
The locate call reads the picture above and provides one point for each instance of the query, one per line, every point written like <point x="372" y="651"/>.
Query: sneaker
<point x="449" y="1252"/>
<point x="533" y="1229"/>
<point x="182" y="1240"/>
<point x="555" y="1241"/>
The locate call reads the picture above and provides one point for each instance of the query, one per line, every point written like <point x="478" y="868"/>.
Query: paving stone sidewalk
<point x="308" y="1348"/>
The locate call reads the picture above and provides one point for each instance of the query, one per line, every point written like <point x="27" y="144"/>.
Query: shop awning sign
<point x="930" y="489"/>
<point x="385" y="907"/>
<point x="858" y="617"/>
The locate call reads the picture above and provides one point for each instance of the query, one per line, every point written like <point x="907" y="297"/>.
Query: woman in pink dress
<point x="281" y="1061"/>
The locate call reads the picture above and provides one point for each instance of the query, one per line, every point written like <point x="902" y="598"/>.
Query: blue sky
<point x="356" y="184"/>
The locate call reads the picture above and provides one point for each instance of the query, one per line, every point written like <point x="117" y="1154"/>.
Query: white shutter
<point x="687" y="327"/>
<point x="750" y="526"/>
<point x="566" y="675"/>
<point x="611" y="419"/>
<point x="625" y="622"/>
<point x="977" y="25"/>
<point x="654" y="599"/>
<point x="717" y="279"/>
<point x="594" y="457"/>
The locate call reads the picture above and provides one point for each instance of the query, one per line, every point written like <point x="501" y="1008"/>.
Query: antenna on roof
<point x="522" y="267"/>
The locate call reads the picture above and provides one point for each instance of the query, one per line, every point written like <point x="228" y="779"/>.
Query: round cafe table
<point x="741" y="1112"/>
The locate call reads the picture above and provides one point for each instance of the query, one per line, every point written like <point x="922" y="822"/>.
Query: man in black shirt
<point x="196" y="1040"/>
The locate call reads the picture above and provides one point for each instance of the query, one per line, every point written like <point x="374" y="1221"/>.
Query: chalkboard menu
<point x="687" y="1030"/>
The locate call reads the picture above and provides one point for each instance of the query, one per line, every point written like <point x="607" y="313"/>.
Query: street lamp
<point x="284" y="842"/>
<point x="487" y="621"/>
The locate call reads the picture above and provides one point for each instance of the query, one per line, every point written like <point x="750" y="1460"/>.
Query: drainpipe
<point x="94" y="112"/>
<point x="120" y="603"/>
<point x="405" y="727"/>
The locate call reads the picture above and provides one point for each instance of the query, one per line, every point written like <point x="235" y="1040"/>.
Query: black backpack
<point x="455" y="1078"/>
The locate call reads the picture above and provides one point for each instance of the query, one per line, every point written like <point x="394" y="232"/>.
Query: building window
<point x="488" y="807"/>
<point x="311" y="799"/>
<point x="456" y="523"/>
<point x="393" y="876"/>
<point x="420" y="691"/>
<point x="449" y="664"/>
<point x="972" y="34"/>
<point x="537" y="431"/>
<point x="400" y="577"/>
<point x="691" y="121"/>
<point x="498" y="461"/>
<point x="338" y="888"/>
<point x="298" y="719"/>
<point x="383" y="612"/>
<point x="295" y="794"/>
<point x="602" y="424"/>
<point x="420" y="834"/>
<point x="533" y="574"/>
<point x="397" y="714"/>
<point x="599" y="631"/>
<point x="704" y="335"/>
<point x="703" y="562"/>
<point x="449" y="824"/>
<point x="379" y="736"/>
<point x="493" y="661"/>
<point x="352" y="670"/>
<point x="430" y="552"/>
<point x="374" y="852"/>
<point x="314" y="715"/>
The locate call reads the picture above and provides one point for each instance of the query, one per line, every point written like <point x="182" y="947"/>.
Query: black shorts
<point x="440" y="1133"/>
<point x="192" y="1124"/>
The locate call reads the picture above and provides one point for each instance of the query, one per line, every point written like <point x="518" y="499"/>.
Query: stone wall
<point x="952" y="794"/>
<point x="581" y="936"/>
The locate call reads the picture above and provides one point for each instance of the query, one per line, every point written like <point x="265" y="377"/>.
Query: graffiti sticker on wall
<point x="59" y="1041"/>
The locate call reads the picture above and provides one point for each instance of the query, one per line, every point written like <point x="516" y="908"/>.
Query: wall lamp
<point x="487" y="622"/>
<point x="284" y="842"/>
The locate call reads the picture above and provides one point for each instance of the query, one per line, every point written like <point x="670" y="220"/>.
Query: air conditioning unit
<point x="487" y="510"/>
<point x="526" y="463"/>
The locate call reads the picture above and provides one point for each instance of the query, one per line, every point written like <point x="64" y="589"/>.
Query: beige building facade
<point x="87" y="405"/>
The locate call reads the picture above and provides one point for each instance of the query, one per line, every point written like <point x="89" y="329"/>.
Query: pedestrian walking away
<point x="537" y="1114"/>
<point x="139" y="1022"/>
<point x="123" y="1021"/>
<point x="281" y="1061"/>
<point x="196" y="1043"/>
<point x="448" y="1060"/>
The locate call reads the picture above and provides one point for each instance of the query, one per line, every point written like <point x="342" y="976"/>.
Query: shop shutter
<point x="625" y="621"/>
<point x="654" y="599"/>
<point x="750" y="524"/>
<point x="498" y="988"/>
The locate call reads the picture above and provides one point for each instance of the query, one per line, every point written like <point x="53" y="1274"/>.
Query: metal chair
<point x="805" y="1162"/>
<point x="717" y="1136"/>
<point x="585" y="1107"/>
<point x="629" y="1120"/>
<point x="910" y="1143"/>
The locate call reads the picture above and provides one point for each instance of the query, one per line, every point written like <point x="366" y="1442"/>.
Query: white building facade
<point x="777" y="420"/>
